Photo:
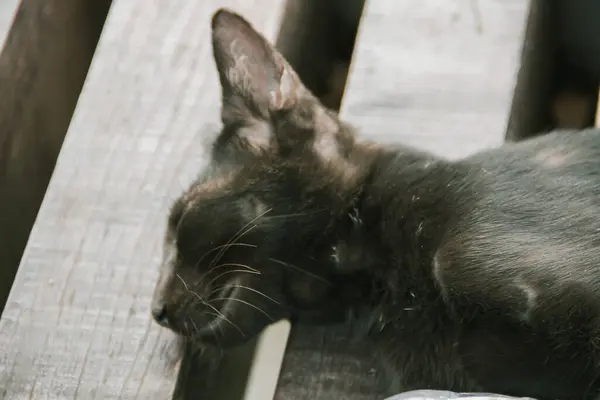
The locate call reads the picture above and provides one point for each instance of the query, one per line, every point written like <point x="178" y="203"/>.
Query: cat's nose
<point x="160" y="315"/>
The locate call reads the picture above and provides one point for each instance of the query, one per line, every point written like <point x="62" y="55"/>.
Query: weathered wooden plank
<point x="436" y="74"/>
<point x="76" y="324"/>
<point x="8" y="9"/>
<point x="43" y="64"/>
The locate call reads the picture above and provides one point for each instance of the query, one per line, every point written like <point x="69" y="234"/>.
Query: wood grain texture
<point x="435" y="74"/>
<point x="43" y="64"/>
<point x="77" y="324"/>
<point x="325" y="363"/>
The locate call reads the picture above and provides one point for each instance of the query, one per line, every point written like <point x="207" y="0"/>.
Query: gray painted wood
<point x="435" y="74"/>
<point x="76" y="324"/>
<point x="8" y="9"/>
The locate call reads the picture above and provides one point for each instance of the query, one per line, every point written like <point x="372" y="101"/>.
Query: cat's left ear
<point x="256" y="80"/>
<point x="265" y="106"/>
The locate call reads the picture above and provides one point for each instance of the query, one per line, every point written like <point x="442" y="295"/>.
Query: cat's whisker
<point x="222" y="252"/>
<point x="220" y="315"/>
<point x="230" y="272"/>
<point x="300" y="214"/>
<point x="225" y="265"/>
<point x="220" y="247"/>
<point x="249" y="268"/>
<point x="206" y="303"/>
<point x="217" y="314"/>
<point x="181" y="219"/>
<point x="232" y="324"/>
<point x="302" y="270"/>
<point x="215" y="335"/>
<point x="227" y="299"/>
<point x="194" y="325"/>
<point x="255" y="291"/>
<point x="189" y="290"/>
<point x="239" y="234"/>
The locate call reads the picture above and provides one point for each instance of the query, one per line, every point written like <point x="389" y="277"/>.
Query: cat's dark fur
<point x="481" y="274"/>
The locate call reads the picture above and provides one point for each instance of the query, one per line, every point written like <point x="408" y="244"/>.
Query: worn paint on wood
<point x="77" y="324"/>
<point x="436" y="74"/>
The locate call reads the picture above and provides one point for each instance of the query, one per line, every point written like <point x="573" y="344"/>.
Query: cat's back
<point x="526" y="245"/>
<point x="553" y="154"/>
<point x="532" y="221"/>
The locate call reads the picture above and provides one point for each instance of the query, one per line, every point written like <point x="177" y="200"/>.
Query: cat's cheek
<point x="308" y="292"/>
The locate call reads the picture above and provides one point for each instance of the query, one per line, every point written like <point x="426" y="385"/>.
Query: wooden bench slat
<point x="46" y="49"/>
<point x="436" y="74"/>
<point x="77" y="323"/>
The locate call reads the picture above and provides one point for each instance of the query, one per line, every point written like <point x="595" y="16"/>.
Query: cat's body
<point x="492" y="267"/>
<point x="472" y="275"/>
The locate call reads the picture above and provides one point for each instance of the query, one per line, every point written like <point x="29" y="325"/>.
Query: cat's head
<point x="251" y="240"/>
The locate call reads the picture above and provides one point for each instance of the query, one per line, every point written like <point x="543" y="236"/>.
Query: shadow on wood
<point x="43" y="66"/>
<point x="556" y="87"/>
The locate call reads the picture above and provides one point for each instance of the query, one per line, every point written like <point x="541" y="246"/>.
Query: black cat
<point x="474" y="275"/>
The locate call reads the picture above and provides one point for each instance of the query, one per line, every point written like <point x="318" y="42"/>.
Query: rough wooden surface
<point x="325" y="363"/>
<point x="43" y="64"/>
<point x="76" y="324"/>
<point x="436" y="74"/>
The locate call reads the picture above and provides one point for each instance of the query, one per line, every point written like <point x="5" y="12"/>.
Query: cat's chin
<point x="223" y="329"/>
<point x="216" y="330"/>
<point x="221" y="333"/>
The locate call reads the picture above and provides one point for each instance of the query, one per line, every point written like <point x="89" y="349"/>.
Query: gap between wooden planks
<point x="597" y="121"/>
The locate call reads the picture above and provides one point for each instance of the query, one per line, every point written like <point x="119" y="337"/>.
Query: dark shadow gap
<point x="557" y="85"/>
<point x="317" y="38"/>
<point x="43" y="65"/>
